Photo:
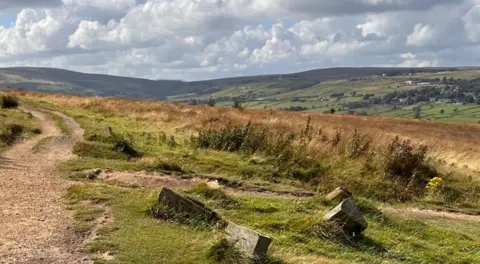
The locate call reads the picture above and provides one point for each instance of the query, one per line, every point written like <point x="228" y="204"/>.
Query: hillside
<point x="75" y="83"/>
<point x="270" y="171"/>
<point x="451" y="94"/>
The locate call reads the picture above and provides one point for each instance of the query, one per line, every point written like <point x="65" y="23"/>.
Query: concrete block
<point x="347" y="216"/>
<point x="249" y="242"/>
<point x="339" y="194"/>
<point x="186" y="205"/>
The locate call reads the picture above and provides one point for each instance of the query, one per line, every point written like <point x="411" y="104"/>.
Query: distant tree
<point x="469" y="99"/>
<point x="211" y="102"/>
<point x="455" y="110"/>
<point x="332" y="111"/>
<point x="417" y="114"/>
<point x="442" y="111"/>
<point x="194" y="102"/>
<point x="444" y="80"/>
<point x="237" y="104"/>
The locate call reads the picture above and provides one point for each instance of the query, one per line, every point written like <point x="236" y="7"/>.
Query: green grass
<point x="452" y="113"/>
<point x="135" y="237"/>
<point x="276" y="95"/>
<point x="24" y="123"/>
<point x="60" y="123"/>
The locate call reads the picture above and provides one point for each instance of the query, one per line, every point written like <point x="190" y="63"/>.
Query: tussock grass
<point x="16" y="124"/>
<point x="8" y="101"/>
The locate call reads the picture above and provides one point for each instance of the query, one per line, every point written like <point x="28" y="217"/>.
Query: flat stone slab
<point x="193" y="209"/>
<point x="339" y="194"/>
<point x="249" y="242"/>
<point x="348" y="217"/>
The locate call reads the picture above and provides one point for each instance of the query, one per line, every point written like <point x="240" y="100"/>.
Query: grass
<point x="138" y="238"/>
<point x="60" y="123"/>
<point x="326" y="151"/>
<point x="164" y="135"/>
<point x="16" y="124"/>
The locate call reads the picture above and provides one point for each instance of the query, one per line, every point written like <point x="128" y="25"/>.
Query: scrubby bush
<point x="407" y="164"/>
<point x="121" y="144"/>
<point x="358" y="146"/>
<point x="9" y="101"/>
<point x="10" y="132"/>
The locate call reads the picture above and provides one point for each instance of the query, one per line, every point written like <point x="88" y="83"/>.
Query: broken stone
<point x="348" y="217"/>
<point x="108" y="131"/>
<point x="214" y="185"/>
<point x="339" y="194"/>
<point x="254" y="245"/>
<point x="193" y="209"/>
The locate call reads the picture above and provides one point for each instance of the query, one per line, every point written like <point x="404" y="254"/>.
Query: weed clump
<point x="285" y="151"/>
<point x="206" y="192"/>
<point x="121" y="144"/>
<point x="10" y="132"/>
<point x="225" y="253"/>
<point x="9" y="101"/>
<point x="96" y="150"/>
<point x="407" y="165"/>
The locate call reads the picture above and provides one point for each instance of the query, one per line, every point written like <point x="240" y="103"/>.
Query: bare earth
<point x="35" y="226"/>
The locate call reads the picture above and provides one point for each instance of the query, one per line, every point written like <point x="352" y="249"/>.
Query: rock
<point x="347" y="216"/>
<point x="339" y="194"/>
<point x="94" y="174"/>
<point x="107" y="131"/>
<point x="193" y="208"/>
<point x="247" y="241"/>
<point x="214" y="185"/>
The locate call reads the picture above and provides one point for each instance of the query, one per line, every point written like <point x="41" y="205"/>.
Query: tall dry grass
<point x="453" y="143"/>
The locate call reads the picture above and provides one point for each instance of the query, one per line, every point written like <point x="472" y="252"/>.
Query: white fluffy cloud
<point x="199" y="39"/>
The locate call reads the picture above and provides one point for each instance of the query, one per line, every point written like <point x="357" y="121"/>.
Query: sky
<point x="205" y="39"/>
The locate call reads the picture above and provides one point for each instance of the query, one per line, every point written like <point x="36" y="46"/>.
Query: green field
<point x="317" y="98"/>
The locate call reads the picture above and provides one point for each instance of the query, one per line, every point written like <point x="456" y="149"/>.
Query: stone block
<point x="185" y="205"/>
<point x="347" y="216"/>
<point x="251" y="243"/>
<point x="339" y="194"/>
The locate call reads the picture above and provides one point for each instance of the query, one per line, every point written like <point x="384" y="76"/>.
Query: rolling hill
<point x="75" y="83"/>
<point x="453" y="93"/>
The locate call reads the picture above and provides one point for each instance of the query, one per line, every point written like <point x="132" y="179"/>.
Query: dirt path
<point x="430" y="214"/>
<point x="35" y="227"/>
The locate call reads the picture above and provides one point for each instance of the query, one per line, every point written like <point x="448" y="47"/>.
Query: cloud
<point x="6" y="4"/>
<point x="200" y="39"/>
<point x="421" y="35"/>
<point x="472" y="23"/>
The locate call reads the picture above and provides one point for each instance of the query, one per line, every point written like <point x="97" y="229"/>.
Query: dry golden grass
<point x="457" y="143"/>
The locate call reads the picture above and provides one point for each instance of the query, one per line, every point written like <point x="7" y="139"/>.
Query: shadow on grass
<point x="366" y="244"/>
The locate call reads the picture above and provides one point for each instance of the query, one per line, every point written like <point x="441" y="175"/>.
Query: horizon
<point x="242" y="76"/>
<point x="208" y="39"/>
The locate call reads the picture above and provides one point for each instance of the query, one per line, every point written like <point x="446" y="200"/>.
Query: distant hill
<point x="69" y="82"/>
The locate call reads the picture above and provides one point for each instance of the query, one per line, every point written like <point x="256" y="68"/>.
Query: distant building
<point x="409" y="83"/>
<point x="424" y="83"/>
